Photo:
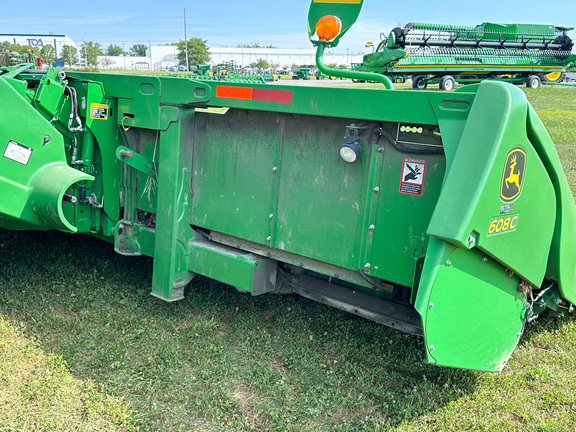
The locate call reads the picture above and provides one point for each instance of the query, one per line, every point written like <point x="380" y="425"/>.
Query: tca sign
<point x="35" y="42"/>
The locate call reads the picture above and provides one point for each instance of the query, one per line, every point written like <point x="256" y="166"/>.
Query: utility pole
<point x="185" y="41"/>
<point x="150" y="48"/>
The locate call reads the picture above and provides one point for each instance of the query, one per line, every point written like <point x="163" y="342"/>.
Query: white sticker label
<point x="412" y="179"/>
<point x="18" y="152"/>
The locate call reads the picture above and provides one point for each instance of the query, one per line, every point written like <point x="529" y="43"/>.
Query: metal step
<point x="400" y="317"/>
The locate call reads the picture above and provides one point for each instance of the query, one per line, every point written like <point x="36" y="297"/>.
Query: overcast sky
<point x="281" y="23"/>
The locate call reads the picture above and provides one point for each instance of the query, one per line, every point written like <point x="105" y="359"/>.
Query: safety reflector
<point x="257" y="94"/>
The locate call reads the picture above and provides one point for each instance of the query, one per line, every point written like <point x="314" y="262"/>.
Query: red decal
<point x="268" y="95"/>
<point x="258" y="94"/>
<point x="234" y="92"/>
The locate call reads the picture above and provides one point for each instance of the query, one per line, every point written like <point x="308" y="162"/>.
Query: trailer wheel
<point x="533" y="81"/>
<point x="419" y="82"/>
<point x="447" y="83"/>
<point x="554" y="77"/>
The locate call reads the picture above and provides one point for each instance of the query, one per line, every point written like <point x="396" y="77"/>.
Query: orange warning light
<point x="328" y="27"/>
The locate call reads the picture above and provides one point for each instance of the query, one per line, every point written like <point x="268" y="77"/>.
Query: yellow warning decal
<point x="338" y="1"/>
<point x="98" y="111"/>
<point x="513" y="174"/>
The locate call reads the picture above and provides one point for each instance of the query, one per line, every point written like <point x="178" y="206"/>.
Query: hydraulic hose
<point x="367" y="76"/>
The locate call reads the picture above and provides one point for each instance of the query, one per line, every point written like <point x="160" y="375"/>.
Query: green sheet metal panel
<point x="477" y="192"/>
<point x="233" y="177"/>
<point x="34" y="175"/>
<point x="404" y="214"/>
<point x="472" y="311"/>
<point x="562" y="252"/>
<point x="319" y="196"/>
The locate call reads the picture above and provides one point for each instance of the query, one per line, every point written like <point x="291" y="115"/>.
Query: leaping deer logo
<point x="513" y="177"/>
<point x="513" y="174"/>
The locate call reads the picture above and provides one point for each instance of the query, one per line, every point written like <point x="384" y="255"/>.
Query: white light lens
<point x="348" y="154"/>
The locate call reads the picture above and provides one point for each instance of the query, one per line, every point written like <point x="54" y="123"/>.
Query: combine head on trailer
<point x="518" y="53"/>
<point x="443" y="216"/>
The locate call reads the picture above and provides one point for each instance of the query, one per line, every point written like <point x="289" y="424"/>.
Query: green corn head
<point x="449" y="218"/>
<point x="506" y="51"/>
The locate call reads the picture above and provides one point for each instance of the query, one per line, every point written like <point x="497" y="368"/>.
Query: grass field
<point x="83" y="347"/>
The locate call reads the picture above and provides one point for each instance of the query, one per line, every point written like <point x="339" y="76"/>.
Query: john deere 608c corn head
<point x="443" y="215"/>
<point x="445" y="54"/>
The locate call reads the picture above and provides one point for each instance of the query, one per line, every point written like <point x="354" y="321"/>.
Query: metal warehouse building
<point x="39" y="40"/>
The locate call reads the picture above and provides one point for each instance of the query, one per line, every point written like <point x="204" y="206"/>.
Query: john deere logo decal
<point x="513" y="175"/>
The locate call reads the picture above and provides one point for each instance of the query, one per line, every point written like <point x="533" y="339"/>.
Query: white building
<point x="284" y="58"/>
<point x="39" y="40"/>
<point x="164" y="57"/>
<point x="124" y="62"/>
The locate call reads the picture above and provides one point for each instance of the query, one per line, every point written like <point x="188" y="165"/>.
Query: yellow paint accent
<point x="553" y="76"/>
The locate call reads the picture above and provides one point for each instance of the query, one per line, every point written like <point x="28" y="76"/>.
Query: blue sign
<point x="35" y="42"/>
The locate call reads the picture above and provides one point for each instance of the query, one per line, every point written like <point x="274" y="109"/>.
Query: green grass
<point x="84" y="347"/>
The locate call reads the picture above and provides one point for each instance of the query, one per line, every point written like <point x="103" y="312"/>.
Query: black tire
<point x="447" y="83"/>
<point x="533" y="81"/>
<point x="419" y="82"/>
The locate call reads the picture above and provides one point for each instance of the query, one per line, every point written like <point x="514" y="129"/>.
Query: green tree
<point x="198" y="52"/>
<point x="260" y="64"/>
<point x="114" y="50"/>
<point x="48" y="53"/>
<point x="254" y="45"/>
<point x="89" y="52"/>
<point x="69" y="55"/>
<point x="20" y="49"/>
<point x="138" y="50"/>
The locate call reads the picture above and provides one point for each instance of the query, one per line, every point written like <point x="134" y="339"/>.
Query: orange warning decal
<point x="256" y="94"/>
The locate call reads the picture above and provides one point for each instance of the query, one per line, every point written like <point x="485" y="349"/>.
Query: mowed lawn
<point x="83" y="347"/>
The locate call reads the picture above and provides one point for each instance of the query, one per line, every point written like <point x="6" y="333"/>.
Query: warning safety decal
<point x="412" y="179"/>
<point x="98" y="111"/>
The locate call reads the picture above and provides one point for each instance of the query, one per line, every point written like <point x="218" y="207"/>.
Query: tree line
<point x="87" y="54"/>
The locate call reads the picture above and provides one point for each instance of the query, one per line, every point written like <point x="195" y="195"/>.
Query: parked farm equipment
<point x="301" y="72"/>
<point x="445" y="54"/>
<point x="446" y="217"/>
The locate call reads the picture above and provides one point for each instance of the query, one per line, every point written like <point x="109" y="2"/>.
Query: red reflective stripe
<point x="268" y="95"/>
<point x="234" y="92"/>
<point x="258" y="94"/>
